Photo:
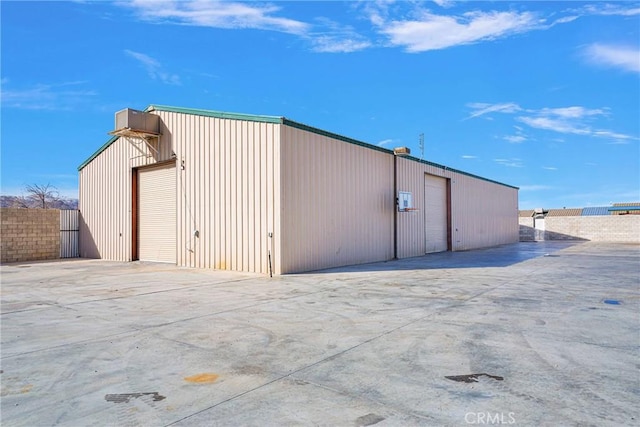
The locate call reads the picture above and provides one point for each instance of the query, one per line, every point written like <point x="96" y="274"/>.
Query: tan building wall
<point x="483" y="213"/>
<point x="250" y="187"/>
<point x="605" y="228"/>
<point x="228" y="180"/>
<point x="105" y="197"/>
<point x="337" y="202"/>
<point x="30" y="234"/>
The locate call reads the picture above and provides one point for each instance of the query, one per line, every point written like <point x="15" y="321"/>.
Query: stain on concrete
<point x="126" y="397"/>
<point x="369" y="420"/>
<point x="248" y="370"/>
<point x="206" y="378"/>
<point x="472" y="378"/>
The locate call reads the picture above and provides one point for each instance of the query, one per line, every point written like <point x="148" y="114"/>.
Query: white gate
<point x="69" y="233"/>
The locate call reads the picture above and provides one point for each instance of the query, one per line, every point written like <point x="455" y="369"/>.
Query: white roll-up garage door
<point x="157" y="214"/>
<point x="436" y="213"/>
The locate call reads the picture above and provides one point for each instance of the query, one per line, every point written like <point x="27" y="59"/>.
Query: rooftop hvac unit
<point x="401" y="151"/>
<point x="137" y="120"/>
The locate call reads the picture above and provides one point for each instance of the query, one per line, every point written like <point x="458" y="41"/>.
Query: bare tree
<point x="42" y="195"/>
<point x="19" y="202"/>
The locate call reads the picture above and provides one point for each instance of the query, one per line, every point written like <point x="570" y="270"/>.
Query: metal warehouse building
<point x="209" y="189"/>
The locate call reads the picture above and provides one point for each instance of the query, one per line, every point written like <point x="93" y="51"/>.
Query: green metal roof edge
<point x="447" y="168"/>
<point x="97" y="152"/>
<point x="301" y="126"/>
<point x="216" y="114"/>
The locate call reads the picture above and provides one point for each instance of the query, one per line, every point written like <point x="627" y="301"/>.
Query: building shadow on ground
<point x="499" y="256"/>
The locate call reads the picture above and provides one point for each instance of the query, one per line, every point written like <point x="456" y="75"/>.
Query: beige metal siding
<point x="411" y="229"/>
<point x="435" y="213"/>
<point x="227" y="192"/>
<point x="337" y="202"/>
<point x="157" y="214"/>
<point x="483" y="213"/>
<point x="105" y="197"/>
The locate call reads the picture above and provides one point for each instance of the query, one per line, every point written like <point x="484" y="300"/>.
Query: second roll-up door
<point x="436" y="214"/>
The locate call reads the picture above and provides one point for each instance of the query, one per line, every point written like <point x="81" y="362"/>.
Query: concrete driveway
<point x="525" y="334"/>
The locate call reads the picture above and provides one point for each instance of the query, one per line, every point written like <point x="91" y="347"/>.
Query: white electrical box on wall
<point x="405" y="201"/>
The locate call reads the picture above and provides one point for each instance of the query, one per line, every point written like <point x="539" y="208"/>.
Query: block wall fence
<point x="29" y="234"/>
<point x="605" y="228"/>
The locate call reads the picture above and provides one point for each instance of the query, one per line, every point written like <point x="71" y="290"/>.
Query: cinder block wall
<point x="29" y="234"/>
<point x="606" y="228"/>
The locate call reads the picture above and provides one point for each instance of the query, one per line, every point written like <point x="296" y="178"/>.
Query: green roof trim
<point x="287" y="122"/>
<point x="333" y="135"/>
<point x="216" y="114"/>
<point x="98" y="151"/>
<point x="447" y="168"/>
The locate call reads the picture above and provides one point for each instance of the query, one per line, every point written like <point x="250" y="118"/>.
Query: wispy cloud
<point x="339" y="43"/>
<point x="553" y="123"/>
<point x="571" y="120"/>
<point x="575" y="120"/>
<point x="59" y="96"/>
<point x="481" y="108"/>
<point x="608" y="9"/>
<point x="514" y="139"/>
<point x="625" y="58"/>
<point x="418" y="29"/>
<point x="467" y="156"/>
<point x="444" y="3"/>
<point x="333" y="37"/>
<point x="218" y="14"/>
<point x="512" y="163"/>
<point x="575" y="112"/>
<point x="154" y="69"/>
<point x="550" y="168"/>
<point x="432" y="32"/>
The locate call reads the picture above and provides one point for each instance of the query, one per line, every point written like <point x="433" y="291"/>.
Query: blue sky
<point x="541" y="95"/>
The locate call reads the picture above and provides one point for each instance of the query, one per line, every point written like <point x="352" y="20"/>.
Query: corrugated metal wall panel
<point x="483" y="213"/>
<point x="69" y="231"/>
<point x="411" y="225"/>
<point x="105" y="196"/>
<point x="227" y="191"/>
<point x="337" y="202"/>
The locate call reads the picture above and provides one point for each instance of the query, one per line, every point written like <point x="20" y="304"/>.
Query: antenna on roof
<point x="421" y="145"/>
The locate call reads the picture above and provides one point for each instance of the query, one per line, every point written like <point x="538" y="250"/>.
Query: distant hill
<point x="25" y="202"/>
